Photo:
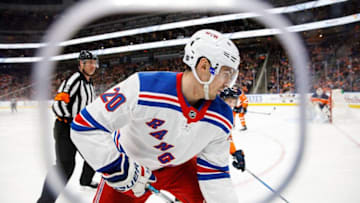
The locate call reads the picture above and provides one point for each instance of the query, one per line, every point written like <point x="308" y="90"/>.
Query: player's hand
<point x="242" y="110"/>
<point x="134" y="178"/>
<point x="237" y="109"/>
<point x="245" y="110"/>
<point x="239" y="160"/>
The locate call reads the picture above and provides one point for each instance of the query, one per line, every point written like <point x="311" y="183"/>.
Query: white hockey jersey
<point x="147" y="117"/>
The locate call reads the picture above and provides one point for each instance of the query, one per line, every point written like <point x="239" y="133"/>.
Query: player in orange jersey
<point x="241" y="108"/>
<point x="230" y="97"/>
<point x="320" y="98"/>
<point x="321" y="103"/>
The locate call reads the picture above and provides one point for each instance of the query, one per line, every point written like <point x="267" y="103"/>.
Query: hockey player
<point x="230" y="97"/>
<point x="241" y="108"/>
<point x="150" y="127"/>
<point x="321" y="103"/>
<point x="13" y="105"/>
<point x="74" y="93"/>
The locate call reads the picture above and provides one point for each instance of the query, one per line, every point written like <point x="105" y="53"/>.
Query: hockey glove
<point x="239" y="160"/>
<point x="132" y="176"/>
<point x="237" y="109"/>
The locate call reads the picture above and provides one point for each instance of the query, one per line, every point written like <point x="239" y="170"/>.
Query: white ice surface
<point x="330" y="171"/>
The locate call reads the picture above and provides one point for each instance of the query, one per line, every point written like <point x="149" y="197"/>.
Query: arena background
<point x="125" y="44"/>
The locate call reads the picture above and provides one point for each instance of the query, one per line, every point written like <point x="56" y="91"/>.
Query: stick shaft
<point x="263" y="113"/>
<point x="159" y="193"/>
<point x="266" y="185"/>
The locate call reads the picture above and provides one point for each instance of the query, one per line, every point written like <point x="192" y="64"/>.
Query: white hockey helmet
<point x="218" y="49"/>
<point x="319" y="91"/>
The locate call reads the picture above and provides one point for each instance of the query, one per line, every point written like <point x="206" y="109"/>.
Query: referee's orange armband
<point x="62" y="96"/>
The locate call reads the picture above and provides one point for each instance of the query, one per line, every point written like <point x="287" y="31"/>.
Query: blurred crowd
<point x="334" y="64"/>
<point x="334" y="67"/>
<point x="334" y="54"/>
<point x="15" y="84"/>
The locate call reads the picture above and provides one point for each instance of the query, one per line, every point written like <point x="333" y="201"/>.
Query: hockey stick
<point x="266" y="185"/>
<point x="160" y="194"/>
<point x="263" y="113"/>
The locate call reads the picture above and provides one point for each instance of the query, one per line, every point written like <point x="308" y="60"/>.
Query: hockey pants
<point x="181" y="181"/>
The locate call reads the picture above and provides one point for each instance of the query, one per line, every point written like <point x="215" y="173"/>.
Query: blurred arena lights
<point x="183" y="24"/>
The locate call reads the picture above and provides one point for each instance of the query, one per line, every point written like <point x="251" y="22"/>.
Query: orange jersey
<point x="232" y="145"/>
<point x="321" y="100"/>
<point x="243" y="100"/>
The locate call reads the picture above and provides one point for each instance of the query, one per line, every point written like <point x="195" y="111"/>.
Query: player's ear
<point x="202" y="69"/>
<point x="204" y="64"/>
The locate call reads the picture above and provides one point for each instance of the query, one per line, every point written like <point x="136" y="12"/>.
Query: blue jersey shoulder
<point x="158" y="82"/>
<point x="220" y="107"/>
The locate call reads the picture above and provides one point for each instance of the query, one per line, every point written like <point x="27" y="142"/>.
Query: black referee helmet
<point x="87" y="55"/>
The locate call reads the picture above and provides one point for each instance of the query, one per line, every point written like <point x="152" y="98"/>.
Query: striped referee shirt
<point x="74" y="94"/>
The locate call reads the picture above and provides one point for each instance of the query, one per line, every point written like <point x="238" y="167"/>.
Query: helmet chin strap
<point x="206" y="84"/>
<point x="206" y="91"/>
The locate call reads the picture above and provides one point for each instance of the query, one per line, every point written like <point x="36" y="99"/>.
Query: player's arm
<point x="245" y="101"/>
<point x="92" y="128"/>
<point x="232" y="146"/>
<point x="238" y="156"/>
<point x="95" y="133"/>
<point x="325" y="99"/>
<point x="213" y="172"/>
<point x="320" y="100"/>
<point x="315" y="99"/>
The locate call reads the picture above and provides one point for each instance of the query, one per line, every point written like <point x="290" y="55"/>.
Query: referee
<point x="74" y="94"/>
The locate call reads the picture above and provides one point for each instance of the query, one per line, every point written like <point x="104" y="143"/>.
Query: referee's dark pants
<point x="65" y="162"/>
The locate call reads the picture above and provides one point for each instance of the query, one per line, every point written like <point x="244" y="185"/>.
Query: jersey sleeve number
<point x="113" y="100"/>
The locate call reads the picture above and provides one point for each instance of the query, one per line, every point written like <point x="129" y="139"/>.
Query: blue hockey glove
<point x="239" y="160"/>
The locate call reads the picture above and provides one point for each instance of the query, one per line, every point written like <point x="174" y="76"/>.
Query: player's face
<point x="221" y="81"/>
<point x="231" y="102"/>
<point x="89" y="67"/>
